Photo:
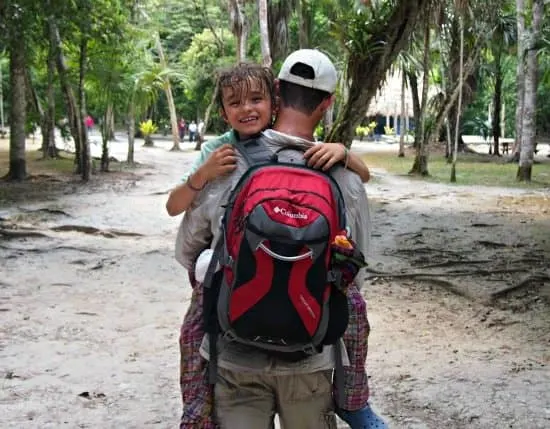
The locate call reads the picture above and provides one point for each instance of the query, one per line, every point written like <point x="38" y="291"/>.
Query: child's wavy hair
<point x="239" y="77"/>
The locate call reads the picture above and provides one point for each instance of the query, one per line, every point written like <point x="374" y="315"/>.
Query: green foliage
<point x="147" y="128"/>
<point x="361" y="131"/>
<point x="389" y="131"/>
<point x="319" y="132"/>
<point x="474" y="169"/>
<point x="199" y="64"/>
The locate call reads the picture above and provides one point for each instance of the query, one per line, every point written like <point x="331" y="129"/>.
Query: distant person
<point x="200" y="130"/>
<point x="89" y="122"/>
<point x="182" y="126"/>
<point x="192" y="131"/>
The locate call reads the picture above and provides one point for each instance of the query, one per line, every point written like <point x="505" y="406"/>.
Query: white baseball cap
<point x="325" y="76"/>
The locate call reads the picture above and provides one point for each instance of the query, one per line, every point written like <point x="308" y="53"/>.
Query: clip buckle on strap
<point x="339" y="374"/>
<point x="212" y="327"/>
<point x="309" y="350"/>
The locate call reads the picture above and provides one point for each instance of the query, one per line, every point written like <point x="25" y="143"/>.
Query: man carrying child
<point x="301" y="393"/>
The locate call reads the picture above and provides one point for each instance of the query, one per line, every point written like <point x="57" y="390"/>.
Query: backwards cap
<point x="325" y="77"/>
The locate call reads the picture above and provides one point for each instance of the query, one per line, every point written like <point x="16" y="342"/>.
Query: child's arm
<point x="220" y="162"/>
<point x="325" y="155"/>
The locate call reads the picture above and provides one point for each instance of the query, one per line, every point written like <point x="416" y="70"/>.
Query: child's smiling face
<point x="247" y="107"/>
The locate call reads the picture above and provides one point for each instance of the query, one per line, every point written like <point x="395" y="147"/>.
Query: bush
<point x="147" y="128"/>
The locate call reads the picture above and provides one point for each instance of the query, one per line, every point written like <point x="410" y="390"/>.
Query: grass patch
<point x="471" y="169"/>
<point x="36" y="165"/>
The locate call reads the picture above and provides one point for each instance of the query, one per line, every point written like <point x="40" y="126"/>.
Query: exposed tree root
<point x="9" y="234"/>
<point x="450" y="286"/>
<point x="46" y="210"/>
<point x="494" y="244"/>
<point x="109" y="233"/>
<point x="47" y="249"/>
<point x="525" y="282"/>
<point x="445" y="274"/>
<point x="450" y="263"/>
<point x="431" y="251"/>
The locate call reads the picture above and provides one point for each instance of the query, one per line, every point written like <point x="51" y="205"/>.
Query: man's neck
<point x="294" y="123"/>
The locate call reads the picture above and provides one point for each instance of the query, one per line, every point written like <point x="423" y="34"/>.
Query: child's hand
<point x="324" y="155"/>
<point x="220" y="162"/>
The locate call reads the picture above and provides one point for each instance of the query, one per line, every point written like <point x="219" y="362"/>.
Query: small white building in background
<point x="386" y="105"/>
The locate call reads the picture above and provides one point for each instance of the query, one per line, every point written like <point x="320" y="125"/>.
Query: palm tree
<point x="528" y="132"/>
<point x="503" y="36"/>
<point x="460" y="6"/>
<point x="18" y="100"/>
<point x="169" y="96"/>
<point x="520" y="77"/>
<point x="239" y="27"/>
<point x="373" y="37"/>
<point x="420" y="165"/>
<point x="264" y="33"/>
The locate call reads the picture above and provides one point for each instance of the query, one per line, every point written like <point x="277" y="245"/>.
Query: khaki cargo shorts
<point x="251" y="400"/>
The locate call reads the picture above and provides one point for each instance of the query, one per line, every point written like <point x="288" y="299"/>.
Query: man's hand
<point x="324" y="155"/>
<point x="220" y="162"/>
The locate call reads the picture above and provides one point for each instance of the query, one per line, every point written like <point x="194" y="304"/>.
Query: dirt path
<point x="90" y="315"/>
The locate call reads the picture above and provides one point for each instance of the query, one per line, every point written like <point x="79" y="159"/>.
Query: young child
<point x="246" y="97"/>
<point x="218" y="157"/>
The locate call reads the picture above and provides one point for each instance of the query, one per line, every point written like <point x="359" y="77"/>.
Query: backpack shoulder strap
<point x="254" y="151"/>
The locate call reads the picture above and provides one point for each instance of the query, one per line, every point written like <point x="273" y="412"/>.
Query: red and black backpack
<point x="277" y="289"/>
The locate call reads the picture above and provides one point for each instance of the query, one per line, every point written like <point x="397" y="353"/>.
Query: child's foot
<point x="364" y="418"/>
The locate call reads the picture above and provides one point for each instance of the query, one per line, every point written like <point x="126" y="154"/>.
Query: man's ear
<point x="326" y="103"/>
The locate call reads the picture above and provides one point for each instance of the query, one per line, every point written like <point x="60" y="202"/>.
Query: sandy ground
<point x="90" y="310"/>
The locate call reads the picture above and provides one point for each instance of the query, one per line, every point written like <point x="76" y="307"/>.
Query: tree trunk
<point x="303" y="32"/>
<point x="111" y="121"/>
<point x="37" y="105"/>
<point x="75" y="124"/>
<point x="497" y="105"/>
<point x="328" y="120"/>
<point x="264" y="33"/>
<point x="451" y="98"/>
<point x="207" y="114"/>
<point x="402" y="131"/>
<point x="51" y="150"/>
<point x="86" y="158"/>
<point x="105" y="132"/>
<point x="18" y="104"/>
<point x="240" y="28"/>
<point x="131" y="132"/>
<point x="413" y="82"/>
<point x="169" y="98"/>
<point x="459" y="102"/>
<point x="420" y="165"/>
<point x="520" y="78"/>
<point x="528" y="134"/>
<point x="367" y="71"/>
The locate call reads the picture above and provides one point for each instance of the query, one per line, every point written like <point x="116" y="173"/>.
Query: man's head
<point x="307" y="80"/>
<point x="246" y="97"/>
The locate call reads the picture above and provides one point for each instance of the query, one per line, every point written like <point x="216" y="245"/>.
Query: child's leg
<point x="356" y="340"/>
<point x="356" y="411"/>
<point x="196" y="392"/>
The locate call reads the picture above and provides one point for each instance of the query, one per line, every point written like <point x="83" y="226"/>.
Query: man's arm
<point x="357" y="207"/>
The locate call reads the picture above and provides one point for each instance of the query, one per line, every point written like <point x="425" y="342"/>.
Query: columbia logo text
<point x="293" y="215"/>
